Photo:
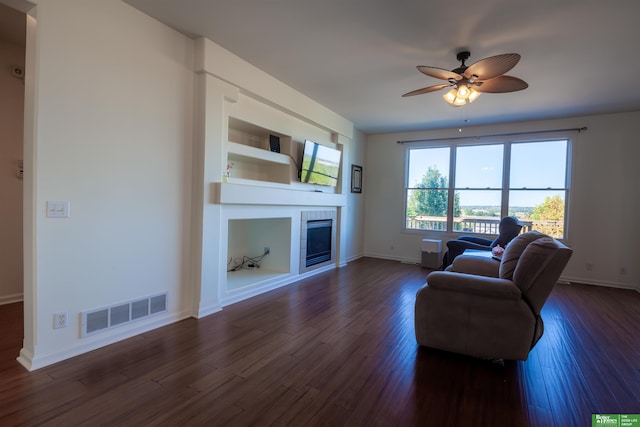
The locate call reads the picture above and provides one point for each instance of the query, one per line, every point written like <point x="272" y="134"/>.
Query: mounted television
<point x="320" y="164"/>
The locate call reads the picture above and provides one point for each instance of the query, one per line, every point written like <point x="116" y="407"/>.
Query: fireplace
<point x="318" y="241"/>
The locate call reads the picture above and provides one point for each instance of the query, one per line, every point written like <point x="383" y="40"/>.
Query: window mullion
<point x="506" y="174"/>
<point x="451" y="189"/>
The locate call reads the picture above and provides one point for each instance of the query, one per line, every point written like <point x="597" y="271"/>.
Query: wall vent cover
<point x="103" y="319"/>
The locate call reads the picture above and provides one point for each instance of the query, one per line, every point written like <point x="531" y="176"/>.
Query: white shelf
<point x="248" y="152"/>
<point x="255" y="155"/>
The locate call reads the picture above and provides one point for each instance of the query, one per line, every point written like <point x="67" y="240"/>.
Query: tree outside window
<point x="428" y="189"/>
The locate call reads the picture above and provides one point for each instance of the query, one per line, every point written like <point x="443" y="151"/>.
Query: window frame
<point x="506" y="171"/>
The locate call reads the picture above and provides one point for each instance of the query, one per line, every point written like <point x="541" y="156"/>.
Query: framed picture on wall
<point x="356" y="179"/>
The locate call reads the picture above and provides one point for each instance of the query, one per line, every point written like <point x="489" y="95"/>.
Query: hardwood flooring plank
<point x="303" y="409"/>
<point x="339" y="349"/>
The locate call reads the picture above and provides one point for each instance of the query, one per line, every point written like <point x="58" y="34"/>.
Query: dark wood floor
<point x="336" y="349"/>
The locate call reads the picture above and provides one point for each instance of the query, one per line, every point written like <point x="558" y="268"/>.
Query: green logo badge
<point x="617" y="420"/>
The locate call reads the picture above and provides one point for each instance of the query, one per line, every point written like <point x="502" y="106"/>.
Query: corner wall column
<point x="345" y="187"/>
<point x="208" y="166"/>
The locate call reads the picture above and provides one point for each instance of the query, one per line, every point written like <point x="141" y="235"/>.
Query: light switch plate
<point x="58" y="209"/>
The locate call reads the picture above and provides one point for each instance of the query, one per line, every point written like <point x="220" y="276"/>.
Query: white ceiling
<point x="357" y="57"/>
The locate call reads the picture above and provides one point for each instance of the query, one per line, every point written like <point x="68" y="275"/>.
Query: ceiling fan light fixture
<point x="459" y="102"/>
<point x="460" y="96"/>
<point x="463" y="92"/>
<point x="450" y="96"/>
<point x="473" y="95"/>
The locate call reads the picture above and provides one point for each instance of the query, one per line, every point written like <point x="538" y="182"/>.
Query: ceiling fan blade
<point x="426" y="90"/>
<point x="501" y="84"/>
<point x="439" y="73"/>
<point x="493" y="66"/>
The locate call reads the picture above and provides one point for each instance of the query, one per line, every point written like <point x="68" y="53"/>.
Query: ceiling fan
<point x="468" y="82"/>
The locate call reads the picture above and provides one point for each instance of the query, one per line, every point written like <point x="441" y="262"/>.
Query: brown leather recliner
<point x="487" y="308"/>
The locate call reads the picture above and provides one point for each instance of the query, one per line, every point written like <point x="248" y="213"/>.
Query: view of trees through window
<point x="531" y="185"/>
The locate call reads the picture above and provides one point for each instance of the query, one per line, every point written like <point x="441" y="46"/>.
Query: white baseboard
<point x="237" y="296"/>
<point x="393" y="258"/>
<point x="566" y="279"/>
<point x="354" y="258"/>
<point x="10" y="299"/>
<point x="206" y="311"/>
<point x="25" y="359"/>
<point x="600" y="283"/>
<point x="35" y="361"/>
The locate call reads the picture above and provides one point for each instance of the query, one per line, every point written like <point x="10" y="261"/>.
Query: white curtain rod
<point x="495" y="135"/>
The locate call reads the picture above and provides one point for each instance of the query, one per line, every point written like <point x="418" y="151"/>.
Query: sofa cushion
<point x="514" y="250"/>
<point x="534" y="260"/>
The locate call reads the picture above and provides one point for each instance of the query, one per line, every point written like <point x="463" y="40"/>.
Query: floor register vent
<point x="103" y="319"/>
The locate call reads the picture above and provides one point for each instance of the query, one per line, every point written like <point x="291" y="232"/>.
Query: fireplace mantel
<point x="229" y="193"/>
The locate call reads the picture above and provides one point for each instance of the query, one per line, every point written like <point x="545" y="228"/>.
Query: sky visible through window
<point x="534" y="165"/>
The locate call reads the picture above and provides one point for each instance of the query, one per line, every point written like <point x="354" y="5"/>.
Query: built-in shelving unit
<point x="264" y="178"/>
<point x="261" y="201"/>
<point x="248" y="238"/>
<point x="250" y="158"/>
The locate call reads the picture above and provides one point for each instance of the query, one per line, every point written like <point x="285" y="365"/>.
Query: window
<point x="428" y="189"/>
<point x="524" y="179"/>
<point x="538" y="185"/>
<point x="478" y="187"/>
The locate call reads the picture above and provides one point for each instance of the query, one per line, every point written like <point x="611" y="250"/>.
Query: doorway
<point x="12" y="87"/>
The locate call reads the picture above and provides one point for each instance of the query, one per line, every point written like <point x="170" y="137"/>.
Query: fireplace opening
<point x="318" y="241"/>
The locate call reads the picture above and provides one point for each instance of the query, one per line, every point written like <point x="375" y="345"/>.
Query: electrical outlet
<point x="266" y="250"/>
<point x="60" y="320"/>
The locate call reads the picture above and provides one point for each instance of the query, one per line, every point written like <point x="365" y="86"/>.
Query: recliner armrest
<point x="480" y="266"/>
<point x="490" y="287"/>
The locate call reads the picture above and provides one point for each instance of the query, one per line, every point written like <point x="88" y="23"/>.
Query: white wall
<point x="604" y="199"/>
<point x="11" y="113"/>
<point x="113" y="124"/>
<point x="110" y="121"/>
<point x="355" y="153"/>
